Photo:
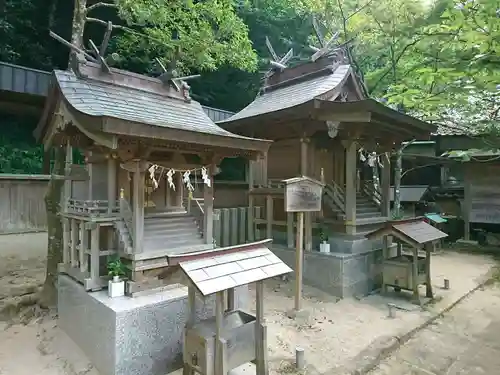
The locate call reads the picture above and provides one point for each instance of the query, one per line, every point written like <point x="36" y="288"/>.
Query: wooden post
<point x="386" y="206"/>
<point x="265" y="181"/>
<point x="269" y="216"/>
<point x="350" y="187"/>
<point x="231" y="299"/>
<point x="208" y="208"/>
<point x="111" y="184"/>
<point x="304" y="170"/>
<point x="94" y="254"/>
<point x="66" y="238"/>
<point x="260" y="332"/>
<point x="220" y="342"/>
<point x="83" y="248"/>
<point x="74" y="241"/>
<point x="67" y="169"/>
<point x="428" y="280"/>
<point x="188" y="370"/>
<point x="250" y="218"/>
<point x="467" y="205"/>
<point x="299" y="261"/>
<point x="179" y="190"/>
<point x="289" y="229"/>
<point x="138" y="207"/>
<point x="416" y="296"/>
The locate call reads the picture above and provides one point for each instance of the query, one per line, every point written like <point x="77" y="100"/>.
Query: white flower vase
<point x="324" y="247"/>
<point x="116" y="287"/>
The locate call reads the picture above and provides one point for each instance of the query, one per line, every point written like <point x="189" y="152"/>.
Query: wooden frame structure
<point x="133" y="128"/>
<point x="320" y="120"/>
<point x="233" y="337"/>
<point x="403" y="272"/>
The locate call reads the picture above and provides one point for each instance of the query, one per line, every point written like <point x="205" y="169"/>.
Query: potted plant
<point x="324" y="246"/>
<point x="116" y="269"/>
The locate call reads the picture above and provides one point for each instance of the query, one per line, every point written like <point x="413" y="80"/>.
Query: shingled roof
<point x="295" y="94"/>
<point x="129" y="104"/>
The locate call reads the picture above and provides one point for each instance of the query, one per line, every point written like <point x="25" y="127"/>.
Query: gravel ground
<point x="334" y="336"/>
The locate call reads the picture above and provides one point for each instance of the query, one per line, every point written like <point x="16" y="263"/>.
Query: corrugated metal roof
<point x="410" y="193"/>
<point x="292" y="95"/>
<point x="221" y="272"/>
<point x="101" y="99"/>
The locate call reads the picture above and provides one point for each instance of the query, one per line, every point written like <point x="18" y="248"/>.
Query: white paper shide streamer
<point x="170" y="179"/>
<point x="152" y="176"/>
<point x="187" y="180"/>
<point x="205" y="178"/>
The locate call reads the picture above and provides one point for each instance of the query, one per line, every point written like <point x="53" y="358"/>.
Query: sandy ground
<point x="464" y="342"/>
<point x="333" y="337"/>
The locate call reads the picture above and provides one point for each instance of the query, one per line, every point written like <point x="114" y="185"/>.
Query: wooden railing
<point x="127" y="216"/>
<point x="372" y="191"/>
<point x="195" y="207"/>
<point x="89" y="207"/>
<point x="336" y="194"/>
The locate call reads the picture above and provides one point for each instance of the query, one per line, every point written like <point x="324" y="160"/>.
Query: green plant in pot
<point x="324" y="246"/>
<point x="116" y="269"/>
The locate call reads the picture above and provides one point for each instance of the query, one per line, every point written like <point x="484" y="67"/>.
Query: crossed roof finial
<point x="326" y="47"/>
<point x="277" y="62"/>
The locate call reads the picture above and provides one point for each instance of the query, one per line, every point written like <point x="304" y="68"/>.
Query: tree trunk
<point x="397" y="183"/>
<point x="48" y="295"/>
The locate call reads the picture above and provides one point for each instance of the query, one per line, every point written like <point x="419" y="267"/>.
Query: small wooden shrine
<point x="143" y="138"/>
<point x="405" y="271"/>
<point x="233" y="337"/>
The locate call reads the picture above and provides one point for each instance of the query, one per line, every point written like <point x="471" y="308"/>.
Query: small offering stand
<point x="409" y="271"/>
<point x="233" y="337"/>
<point x="302" y="194"/>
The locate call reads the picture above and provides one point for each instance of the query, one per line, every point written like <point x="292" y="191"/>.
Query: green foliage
<point x="18" y="151"/>
<point x="115" y="266"/>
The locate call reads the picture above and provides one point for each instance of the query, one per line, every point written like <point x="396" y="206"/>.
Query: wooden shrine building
<point x="324" y="126"/>
<point x="142" y="137"/>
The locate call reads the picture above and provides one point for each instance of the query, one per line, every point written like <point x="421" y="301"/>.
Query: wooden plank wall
<point x="231" y="226"/>
<point x="22" y="206"/>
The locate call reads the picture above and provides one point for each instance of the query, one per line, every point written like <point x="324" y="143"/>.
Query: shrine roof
<point x="413" y="231"/>
<point x="294" y="94"/>
<point x="101" y="98"/>
<point x="410" y="193"/>
<point x="225" y="268"/>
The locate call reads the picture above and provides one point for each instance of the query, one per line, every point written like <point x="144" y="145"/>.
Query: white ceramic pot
<point x="324" y="247"/>
<point x="116" y="287"/>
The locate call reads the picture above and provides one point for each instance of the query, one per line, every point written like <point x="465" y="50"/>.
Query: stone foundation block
<point x="130" y="336"/>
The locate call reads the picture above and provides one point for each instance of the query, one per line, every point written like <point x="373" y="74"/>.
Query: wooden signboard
<point x="484" y="195"/>
<point x="303" y="194"/>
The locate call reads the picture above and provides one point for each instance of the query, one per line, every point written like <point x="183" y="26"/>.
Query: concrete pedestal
<point x="130" y="336"/>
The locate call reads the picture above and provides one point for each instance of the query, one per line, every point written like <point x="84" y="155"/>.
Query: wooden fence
<point x="22" y="206"/>
<point x="234" y="226"/>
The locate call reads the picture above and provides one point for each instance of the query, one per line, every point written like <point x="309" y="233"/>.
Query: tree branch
<point x="100" y="5"/>
<point x="97" y="20"/>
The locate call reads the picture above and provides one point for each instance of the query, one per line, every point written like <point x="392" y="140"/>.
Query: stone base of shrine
<point x="339" y="274"/>
<point x="130" y="336"/>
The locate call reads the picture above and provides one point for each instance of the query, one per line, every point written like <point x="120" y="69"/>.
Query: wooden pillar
<point x="289" y="230"/>
<point x="350" y="186"/>
<point x="94" y="254"/>
<point x="179" y="190"/>
<point x="386" y="197"/>
<point x="67" y="169"/>
<point x="231" y="299"/>
<point x="208" y="208"/>
<point x="220" y="342"/>
<point x="429" y="247"/>
<point x="260" y="332"/>
<point x="467" y="204"/>
<point x="269" y="216"/>
<point x="304" y="170"/>
<point x="66" y="240"/>
<point x="138" y="207"/>
<point x="265" y="181"/>
<point x="83" y="247"/>
<point x="299" y="255"/>
<point x="416" y="296"/>
<point x="74" y="241"/>
<point x="91" y="178"/>
<point x="112" y="176"/>
<point x="250" y="214"/>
